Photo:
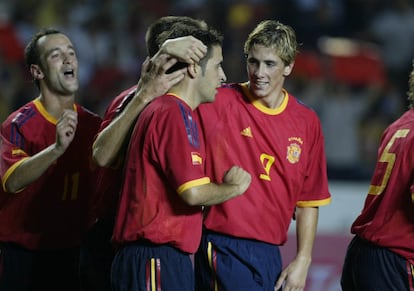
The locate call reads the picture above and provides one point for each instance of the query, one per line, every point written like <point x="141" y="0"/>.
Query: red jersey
<point x="165" y="157"/>
<point x="387" y="217"/>
<point x="283" y="150"/>
<point x="117" y="106"/>
<point x="110" y="179"/>
<point x="50" y="213"/>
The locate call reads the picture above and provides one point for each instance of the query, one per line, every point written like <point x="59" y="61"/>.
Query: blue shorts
<point x="225" y="263"/>
<point x="371" y="268"/>
<point x="27" y="270"/>
<point x="145" y="266"/>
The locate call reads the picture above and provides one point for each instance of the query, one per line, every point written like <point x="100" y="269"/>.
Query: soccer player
<point x="110" y="145"/>
<point x="159" y="219"/>
<point x="381" y="254"/>
<point x="259" y="126"/>
<point x="46" y="169"/>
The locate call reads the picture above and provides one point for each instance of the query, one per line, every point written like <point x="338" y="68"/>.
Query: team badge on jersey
<point x="293" y="153"/>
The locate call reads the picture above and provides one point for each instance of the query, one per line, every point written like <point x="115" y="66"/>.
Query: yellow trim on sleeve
<point x="18" y="152"/>
<point x="9" y="172"/>
<point x="314" y="203"/>
<point x="193" y="183"/>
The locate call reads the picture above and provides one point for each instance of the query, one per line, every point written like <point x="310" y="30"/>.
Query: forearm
<point x="306" y="224"/>
<point x="294" y="275"/>
<point x="210" y="194"/>
<point x="107" y="148"/>
<point x="31" y="169"/>
<point x="187" y="49"/>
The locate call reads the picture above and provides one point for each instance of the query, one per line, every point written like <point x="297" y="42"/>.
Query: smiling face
<point x="270" y="49"/>
<point x="266" y="72"/>
<point x="58" y="68"/>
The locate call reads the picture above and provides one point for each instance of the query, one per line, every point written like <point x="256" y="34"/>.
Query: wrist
<point x="143" y="96"/>
<point x="57" y="149"/>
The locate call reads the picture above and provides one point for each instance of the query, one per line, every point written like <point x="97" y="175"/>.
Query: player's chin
<point x="71" y="87"/>
<point x="259" y="92"/>
<point x="212" y="96"/>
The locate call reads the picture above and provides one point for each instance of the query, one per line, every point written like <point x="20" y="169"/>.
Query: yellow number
<point x="389" y="158"/>
<point x="267" y="162"/>
<point x="72" y="186"/>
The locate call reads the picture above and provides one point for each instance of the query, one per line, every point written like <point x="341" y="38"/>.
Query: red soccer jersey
<point x="387" y="218"/>
<point x="50" y="213"/>
<point x="283" y="150"/>
<point x="117" y="106"/>
<point x="165" y="157"/>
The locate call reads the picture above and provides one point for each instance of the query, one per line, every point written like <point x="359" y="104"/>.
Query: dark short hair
<point x="31" y="52"/>
<point x="164" y="24"/>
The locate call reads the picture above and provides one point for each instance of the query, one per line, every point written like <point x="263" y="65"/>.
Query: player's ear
<point x="288" y="69"/>
<point x="36" y="72"/>
<point x="192" y="70"/>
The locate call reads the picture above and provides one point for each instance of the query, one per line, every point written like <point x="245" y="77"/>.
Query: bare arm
<point x="32" y="168"/>
<point x="187" y="49"/>
<point x="236" y="181"/>
<point x="154" y="82"/>
<point x="294" y="275"/>
<point x="108" y="146"/>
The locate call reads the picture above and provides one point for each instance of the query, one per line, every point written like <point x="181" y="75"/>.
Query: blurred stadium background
<point x="352" y="69"/>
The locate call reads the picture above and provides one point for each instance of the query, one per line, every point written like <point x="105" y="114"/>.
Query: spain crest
<point x="293" y="153"/>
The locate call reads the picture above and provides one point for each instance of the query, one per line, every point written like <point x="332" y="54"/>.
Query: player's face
<point x="267" y="73"/>
<point x="59" y="64"/>
<point x="213" y="76"/>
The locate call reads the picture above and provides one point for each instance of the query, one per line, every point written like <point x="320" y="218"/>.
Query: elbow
<point x="99" y="162"/>
<point x="11" y="188"/>
<point x="100" y="159"/>
<point x="191" y="197"/>
<point x="191" y="201"/>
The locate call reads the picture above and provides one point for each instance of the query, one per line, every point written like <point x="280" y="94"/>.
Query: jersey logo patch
<point x="247" y="132"/>
<point x="18" y="152"/>
<point x="293" y="153"/>
<point x="196" y="158"/>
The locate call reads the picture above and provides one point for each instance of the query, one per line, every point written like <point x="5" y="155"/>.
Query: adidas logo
<point x="247" y="132"/>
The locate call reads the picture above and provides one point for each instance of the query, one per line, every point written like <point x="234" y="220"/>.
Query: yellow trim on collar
<point x="45" y="114"/>
<point x="256" y="103"/>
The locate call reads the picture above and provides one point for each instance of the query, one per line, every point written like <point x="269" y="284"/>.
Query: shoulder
<point x="118" y="104"/>
<point x="226" y="94"/>
<point x="88" y="114"/>
<point x="166" y="104"/>
<point x="21" y="116"/>
<point x="301" y="108"/>
<point x="231" y="89"/>
<point x="404" y="123"/>
<point x="88" y="120"/>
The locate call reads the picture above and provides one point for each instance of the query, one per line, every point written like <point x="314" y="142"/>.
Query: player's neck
<point x="55" y="105"/>
<point x="186" y="93"/>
